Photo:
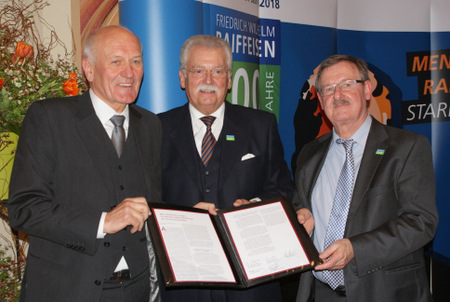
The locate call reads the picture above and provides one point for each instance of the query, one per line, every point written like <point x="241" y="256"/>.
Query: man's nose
<point x="127" y="71"/>
<point x="208" y="76"/>
<point x="338" y="92"/>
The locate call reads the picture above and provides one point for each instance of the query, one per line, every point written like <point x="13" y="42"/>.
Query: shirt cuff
<point x="255" y="199"/>
<point x="100" y="234"/>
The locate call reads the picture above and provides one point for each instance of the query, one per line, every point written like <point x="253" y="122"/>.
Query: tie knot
<point x="347" y="143"/>
<point x="208" y="120"/>
<point x="117" y="120"/>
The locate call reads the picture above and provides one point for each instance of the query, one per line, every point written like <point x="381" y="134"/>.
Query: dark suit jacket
<point x="264" y="176"/>
<point x="392" y="215"/>
<point x="61" y="183"/>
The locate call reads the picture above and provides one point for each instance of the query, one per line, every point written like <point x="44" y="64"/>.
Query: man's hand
<point x="131" y="211"/>
<point x="304" y="216"/>
<point x="240" y="202"/>
<point x="336" y="256"/>
<point x="208" y="206"/>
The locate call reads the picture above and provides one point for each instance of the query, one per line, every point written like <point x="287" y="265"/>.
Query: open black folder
<point x="240" y="247"/>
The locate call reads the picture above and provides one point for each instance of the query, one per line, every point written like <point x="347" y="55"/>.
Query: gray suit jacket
<point x="60" y="185"/>
<point x="392" y="215"/>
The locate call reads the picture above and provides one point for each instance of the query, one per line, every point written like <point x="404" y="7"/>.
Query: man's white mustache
<point x="341" y="102"/>
<point x="207" y="88"/>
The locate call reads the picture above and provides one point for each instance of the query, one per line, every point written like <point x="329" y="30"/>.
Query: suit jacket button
<point x="207" y="190"/>
<point x="122" y="187"/>
<point x="98" y="282"/>
<point x="124" y="248"/>
<point x="107" y="244"/>
<point x="206" y="172"/>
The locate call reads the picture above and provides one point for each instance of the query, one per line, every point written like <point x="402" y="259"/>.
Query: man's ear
<point x="88" y="70"/>
<point x="320" y="100"/>
<point x="182" y="79"/>
<point x="368" y="89"/>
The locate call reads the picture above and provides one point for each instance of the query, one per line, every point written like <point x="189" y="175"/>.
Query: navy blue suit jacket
<point x="265" y="175"/>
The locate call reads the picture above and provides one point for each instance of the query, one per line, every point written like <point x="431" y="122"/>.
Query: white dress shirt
<point x="199" y="128"/>
<point x="104" y="112"/>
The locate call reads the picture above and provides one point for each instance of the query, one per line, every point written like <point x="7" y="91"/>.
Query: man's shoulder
<point x="397" y="135"/>
<point x="248" y="113"/>
<point x="248" y="110"/>
<point x="173" y="114"/>
<point x="142" y="111"/>
<point x="57" y="105"/>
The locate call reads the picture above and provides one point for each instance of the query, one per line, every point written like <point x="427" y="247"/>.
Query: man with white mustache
<point x="245" y="163"/>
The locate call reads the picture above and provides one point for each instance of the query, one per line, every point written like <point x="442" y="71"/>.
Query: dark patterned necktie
<point x="339" y="211"/>
<point x="118" y="134"/>
<point x="208" y="141"/>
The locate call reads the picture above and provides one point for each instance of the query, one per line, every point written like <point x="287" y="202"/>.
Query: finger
<point x="208" y="206"/>
<point x="239" y="202"/>
<point x="213" y="210"/>
<point x="137" y="227"/>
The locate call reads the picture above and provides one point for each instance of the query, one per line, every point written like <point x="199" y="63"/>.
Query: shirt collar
<point x="360" y="136"/>
<point x="197" y="124"/>
<point x="104" y="111"/>
<point x="218" y="114"/>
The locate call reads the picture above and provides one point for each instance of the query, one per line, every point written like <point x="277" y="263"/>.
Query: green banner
<point x="255" y="87"/>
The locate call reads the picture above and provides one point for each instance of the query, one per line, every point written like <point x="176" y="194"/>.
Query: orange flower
<point x="2" y="81"/>
<point x="24" y="50"/>
<point x="73" y="75"/>
<point x="70" y="87"/>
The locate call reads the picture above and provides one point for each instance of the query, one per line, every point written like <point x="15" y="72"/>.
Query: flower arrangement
<point x="28" y="72"/>
<point x="10" y="283"/>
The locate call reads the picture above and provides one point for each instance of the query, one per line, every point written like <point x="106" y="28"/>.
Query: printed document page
<point x="194" y="250"/>
<point x="265" y="240"/>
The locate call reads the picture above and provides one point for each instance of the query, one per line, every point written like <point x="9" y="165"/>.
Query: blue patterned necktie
<point x="339" y="211"/>
<point x="208" y="141"/>
<point x="118" y="134"/>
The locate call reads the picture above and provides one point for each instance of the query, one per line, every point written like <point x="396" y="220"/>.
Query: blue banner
<point x="277" y="46"/>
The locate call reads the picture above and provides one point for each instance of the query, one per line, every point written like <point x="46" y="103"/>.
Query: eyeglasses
<point x="200" y="72"/>
<point x="347" y="85"/>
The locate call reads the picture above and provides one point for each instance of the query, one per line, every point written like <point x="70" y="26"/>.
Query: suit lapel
<point x="231" y="149"/>
<point x="183" y="140"/>
<point x="376" y="140"/>
<point x="142" y="138"/>
<point x="93" y="135"/>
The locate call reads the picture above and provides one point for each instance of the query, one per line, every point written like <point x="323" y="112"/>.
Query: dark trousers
<point x="134" y="290"/>
<point x="324" y="293"/>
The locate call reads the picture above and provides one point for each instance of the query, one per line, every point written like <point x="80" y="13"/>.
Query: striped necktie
<point x="208" y="141"/>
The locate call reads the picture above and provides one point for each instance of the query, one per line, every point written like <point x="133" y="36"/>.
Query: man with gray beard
<point x="217" y="154"/>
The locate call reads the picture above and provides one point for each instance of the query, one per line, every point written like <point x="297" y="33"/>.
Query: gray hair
<point x="207" y="42"/>
<point x="335" y="59"/>
<point x="92" y="41"/>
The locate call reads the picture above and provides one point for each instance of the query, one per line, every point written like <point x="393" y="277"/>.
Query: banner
<point x="278" y="45"/>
